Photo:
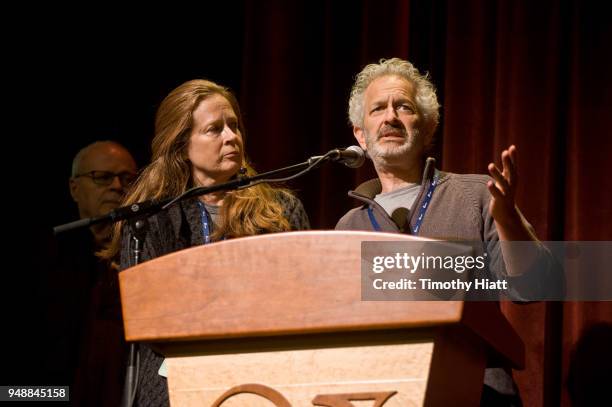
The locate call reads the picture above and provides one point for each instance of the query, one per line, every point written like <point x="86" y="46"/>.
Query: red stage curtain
<point x="534" y="74"/>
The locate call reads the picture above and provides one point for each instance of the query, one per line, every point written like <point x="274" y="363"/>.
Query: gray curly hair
<point x="426" y="99"/>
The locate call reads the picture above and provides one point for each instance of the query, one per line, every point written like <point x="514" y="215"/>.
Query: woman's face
<point x="215" y="147"/>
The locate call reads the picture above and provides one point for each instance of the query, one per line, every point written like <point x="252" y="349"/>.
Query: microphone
<point x="352" y="157"/>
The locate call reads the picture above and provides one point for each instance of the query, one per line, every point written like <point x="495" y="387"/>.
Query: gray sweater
<point x="459" y="210"/>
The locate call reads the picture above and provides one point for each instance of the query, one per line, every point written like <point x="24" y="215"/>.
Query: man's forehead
<point x="107" y="157"/>
<point x="389" y="85"/>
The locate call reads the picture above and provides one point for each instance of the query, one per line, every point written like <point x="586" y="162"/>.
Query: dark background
<point x="536" y="74"/>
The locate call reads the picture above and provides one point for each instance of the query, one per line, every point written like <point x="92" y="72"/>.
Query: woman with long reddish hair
<point x="199" y="141"/>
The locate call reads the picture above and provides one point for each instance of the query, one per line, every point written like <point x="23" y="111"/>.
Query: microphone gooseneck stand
<point x="151" y="207"/>
<point x="137" y="214"/>
<point x="139" y="227"/>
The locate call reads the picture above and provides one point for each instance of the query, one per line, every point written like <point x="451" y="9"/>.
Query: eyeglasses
<point x="105" y="178"/>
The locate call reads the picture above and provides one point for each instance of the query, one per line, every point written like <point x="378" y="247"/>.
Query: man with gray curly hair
<point x="406" y="107"/>
<point x="425" y="93"/>
<point x="394" y="112"/>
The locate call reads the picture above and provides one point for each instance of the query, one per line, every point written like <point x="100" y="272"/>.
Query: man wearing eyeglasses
<point x="86" y="349"/>
<point x="101" y="174"/>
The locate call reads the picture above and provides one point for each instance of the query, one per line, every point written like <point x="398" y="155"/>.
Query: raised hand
<point x="507" y="217"/>
<point x="503" y="190"/>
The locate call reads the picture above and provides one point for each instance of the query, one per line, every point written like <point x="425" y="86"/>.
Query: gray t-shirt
<point x="215" y="214"/>
<point x="399" y="202"/>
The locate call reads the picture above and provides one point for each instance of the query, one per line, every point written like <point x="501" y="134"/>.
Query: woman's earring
<point x="241" y="173"/>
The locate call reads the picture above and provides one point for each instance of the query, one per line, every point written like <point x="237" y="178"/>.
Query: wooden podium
<point x="278" y="320"/>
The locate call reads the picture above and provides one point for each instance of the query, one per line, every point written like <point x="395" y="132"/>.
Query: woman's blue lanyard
<point x="422" y="208"/>
<point x="206" y="222"/>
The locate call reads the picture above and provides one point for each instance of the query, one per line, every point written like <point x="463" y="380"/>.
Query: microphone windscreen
<point x="400" y="216"/>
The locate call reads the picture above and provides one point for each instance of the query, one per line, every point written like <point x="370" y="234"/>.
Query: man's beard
<point x="386" y="153"/>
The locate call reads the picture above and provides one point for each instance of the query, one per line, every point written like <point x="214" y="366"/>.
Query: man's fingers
<point x="499" y="178"/>
<point x="512" y="151"/>
<point x="495" y="192"/>
<point x="514" y="175"/>
<point x="508" y="166"/>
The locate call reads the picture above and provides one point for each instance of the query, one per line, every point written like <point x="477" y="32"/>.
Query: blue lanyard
<point x="206" y="223"/>
<point x="422" y="208"/>
<point x="373" y="221"/>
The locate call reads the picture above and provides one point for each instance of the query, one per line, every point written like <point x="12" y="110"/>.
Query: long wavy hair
<point x="244" y="212"/>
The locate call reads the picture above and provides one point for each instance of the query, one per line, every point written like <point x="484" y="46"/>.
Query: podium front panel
<point x="396" y="373"/>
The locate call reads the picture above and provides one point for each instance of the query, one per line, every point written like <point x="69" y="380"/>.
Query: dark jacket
<point x="178" y="228"/>
<point x="85" y="347"/>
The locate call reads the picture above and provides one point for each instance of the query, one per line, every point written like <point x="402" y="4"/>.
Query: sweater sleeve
<point x="152" y="388"/>
<point x="294" y="212"/>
